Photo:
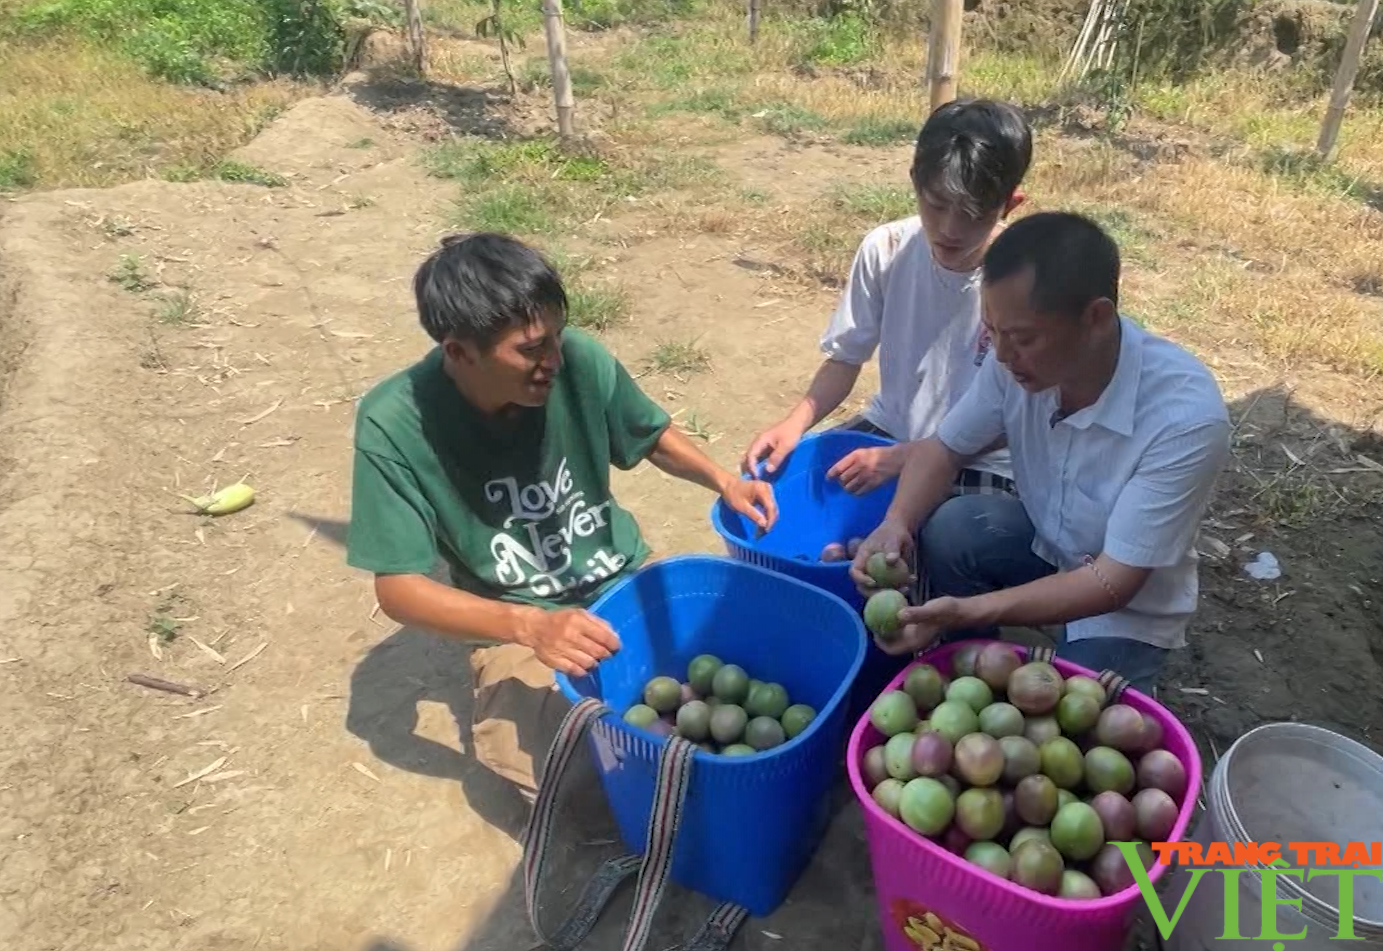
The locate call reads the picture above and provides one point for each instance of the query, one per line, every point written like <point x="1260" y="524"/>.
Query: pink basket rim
<point x="1139" y="701"/>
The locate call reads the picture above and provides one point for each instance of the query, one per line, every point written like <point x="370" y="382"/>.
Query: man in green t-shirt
<point x="493" y="453"/>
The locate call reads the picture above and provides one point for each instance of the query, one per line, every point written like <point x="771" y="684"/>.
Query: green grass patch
<point x="879" y="203"/>
<point x="244" y="174"/>
<point x="713" y="101"/>
<point x="17" y="169"/>
<point x="877" y="131"/>
<point x="206" y="41"/>
<point x="533" y="186"/>
<point x="843" y="40"/>
<point x="672" y="62"/>
<point x="596" y="308"/>
<point x="787" y="118"/>
<point x="1308" y="171"/>
<point x="515" y="208"/>
<point x="536" y="73"/>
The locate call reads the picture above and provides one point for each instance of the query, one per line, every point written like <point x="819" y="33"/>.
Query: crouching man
<point x="494" y="453"/>
<point x="1116" y="436"/>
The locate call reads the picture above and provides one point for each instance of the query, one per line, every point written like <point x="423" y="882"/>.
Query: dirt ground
<point x="336" y="807"/>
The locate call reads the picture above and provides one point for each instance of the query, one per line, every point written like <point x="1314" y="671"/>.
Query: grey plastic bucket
<point x="1285" y="782"/>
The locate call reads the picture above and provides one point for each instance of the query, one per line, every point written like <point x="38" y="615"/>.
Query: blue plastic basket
<point x="751" y="824"/>
<point x="814" y="511"/>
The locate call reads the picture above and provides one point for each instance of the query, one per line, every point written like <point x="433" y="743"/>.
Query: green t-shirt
<point x="520" y="508"/>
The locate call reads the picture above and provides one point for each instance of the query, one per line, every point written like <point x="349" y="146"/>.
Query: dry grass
<point x="73" y="115"/>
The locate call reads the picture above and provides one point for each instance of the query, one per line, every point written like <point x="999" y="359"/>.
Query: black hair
<point x="1074" y="261"/>
<point x="974" y="152"/>
<point x="477" y="286"/>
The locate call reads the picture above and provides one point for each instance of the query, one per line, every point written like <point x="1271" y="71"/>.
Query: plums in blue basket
<point x="797" y="718"/>
<point x="834" y="551"/>
<point x="641" y="715"/>
<point x="731" y="684"/>
<point x="694" y="721"/>
<point x="764" y="733"/>
<point x="727" y="723"/>
<point x="926" y="806"/>
<point x="738" y="749"/>
<point x="663" y="694"/>
<point x="701" y="672"/>
<point x="767" y="700"/>
<point x="894" y="713"/>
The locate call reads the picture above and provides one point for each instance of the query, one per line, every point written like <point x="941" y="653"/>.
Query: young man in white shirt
<point x="1117" y="437"/>
<point x="914" y="296"/>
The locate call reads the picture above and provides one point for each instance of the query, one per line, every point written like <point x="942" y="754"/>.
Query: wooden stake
<point x="943" y="50"/>
<point x="1344" y="76"/>
<point x="413" y="11"/>
<point x="753" y="21"/>
<point x="554" y="26"/>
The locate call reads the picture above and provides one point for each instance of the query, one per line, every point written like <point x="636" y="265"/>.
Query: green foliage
<point x="17" y="169"/>
<point x="837" y="41"/>
<point x="204" y="41"/>
<point x="1176" y="36"/>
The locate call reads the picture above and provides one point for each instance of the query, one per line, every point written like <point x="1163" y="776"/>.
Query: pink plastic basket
<point x="914" y="876"/>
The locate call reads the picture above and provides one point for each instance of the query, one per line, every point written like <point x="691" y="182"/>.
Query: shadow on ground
<point x="465" y="110"/>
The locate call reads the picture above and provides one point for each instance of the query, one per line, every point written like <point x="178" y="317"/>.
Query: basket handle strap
<point x="654" y="867"/>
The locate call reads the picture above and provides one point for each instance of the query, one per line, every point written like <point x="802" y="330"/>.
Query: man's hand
<point x="866" y="469"/>
<point x="570" y="640"/>
<point x="924" y="623"/>
<point x="753" y="499"/>
<point x="897" y="544"/>
<point x="776" y="443"/>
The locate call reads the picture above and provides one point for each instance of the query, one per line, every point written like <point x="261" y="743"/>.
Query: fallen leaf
<point x="258" y="416"/>
<point x="204" y="771"/>
<point x="361" y="768"/>
<point x="249" y="657"/>
<point x="213" y="654"/>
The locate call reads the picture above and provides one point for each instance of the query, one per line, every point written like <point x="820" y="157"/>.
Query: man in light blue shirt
<point x="1116" y="437"/>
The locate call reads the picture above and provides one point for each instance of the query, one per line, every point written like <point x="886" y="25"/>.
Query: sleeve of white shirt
<point x="853" y="334"/>
<point x="977" y="420"/>
<point x="1157" y="515"/>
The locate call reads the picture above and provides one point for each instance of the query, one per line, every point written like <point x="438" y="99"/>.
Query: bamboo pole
<point x="554" y="27"/>
<point x="753" y="21"/>
<point x="417" y="50"/>
<point x="943" y="50"/>
<point x="1344" y="76"/>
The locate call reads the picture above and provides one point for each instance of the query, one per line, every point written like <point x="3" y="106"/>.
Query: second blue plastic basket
<point x="751" y="824"/>
<point x="812" y="512"/>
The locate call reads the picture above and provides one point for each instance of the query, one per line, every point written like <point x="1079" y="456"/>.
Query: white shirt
<point x="925" y="323"/>
<point x="1129" y="476"/>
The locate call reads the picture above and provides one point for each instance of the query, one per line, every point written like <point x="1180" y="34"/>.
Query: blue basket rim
<point x="720" y="511"/>
<point x="837" y="699"/>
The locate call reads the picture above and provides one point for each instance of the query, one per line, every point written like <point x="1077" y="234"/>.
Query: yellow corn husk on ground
<point x="223" y="501"/>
